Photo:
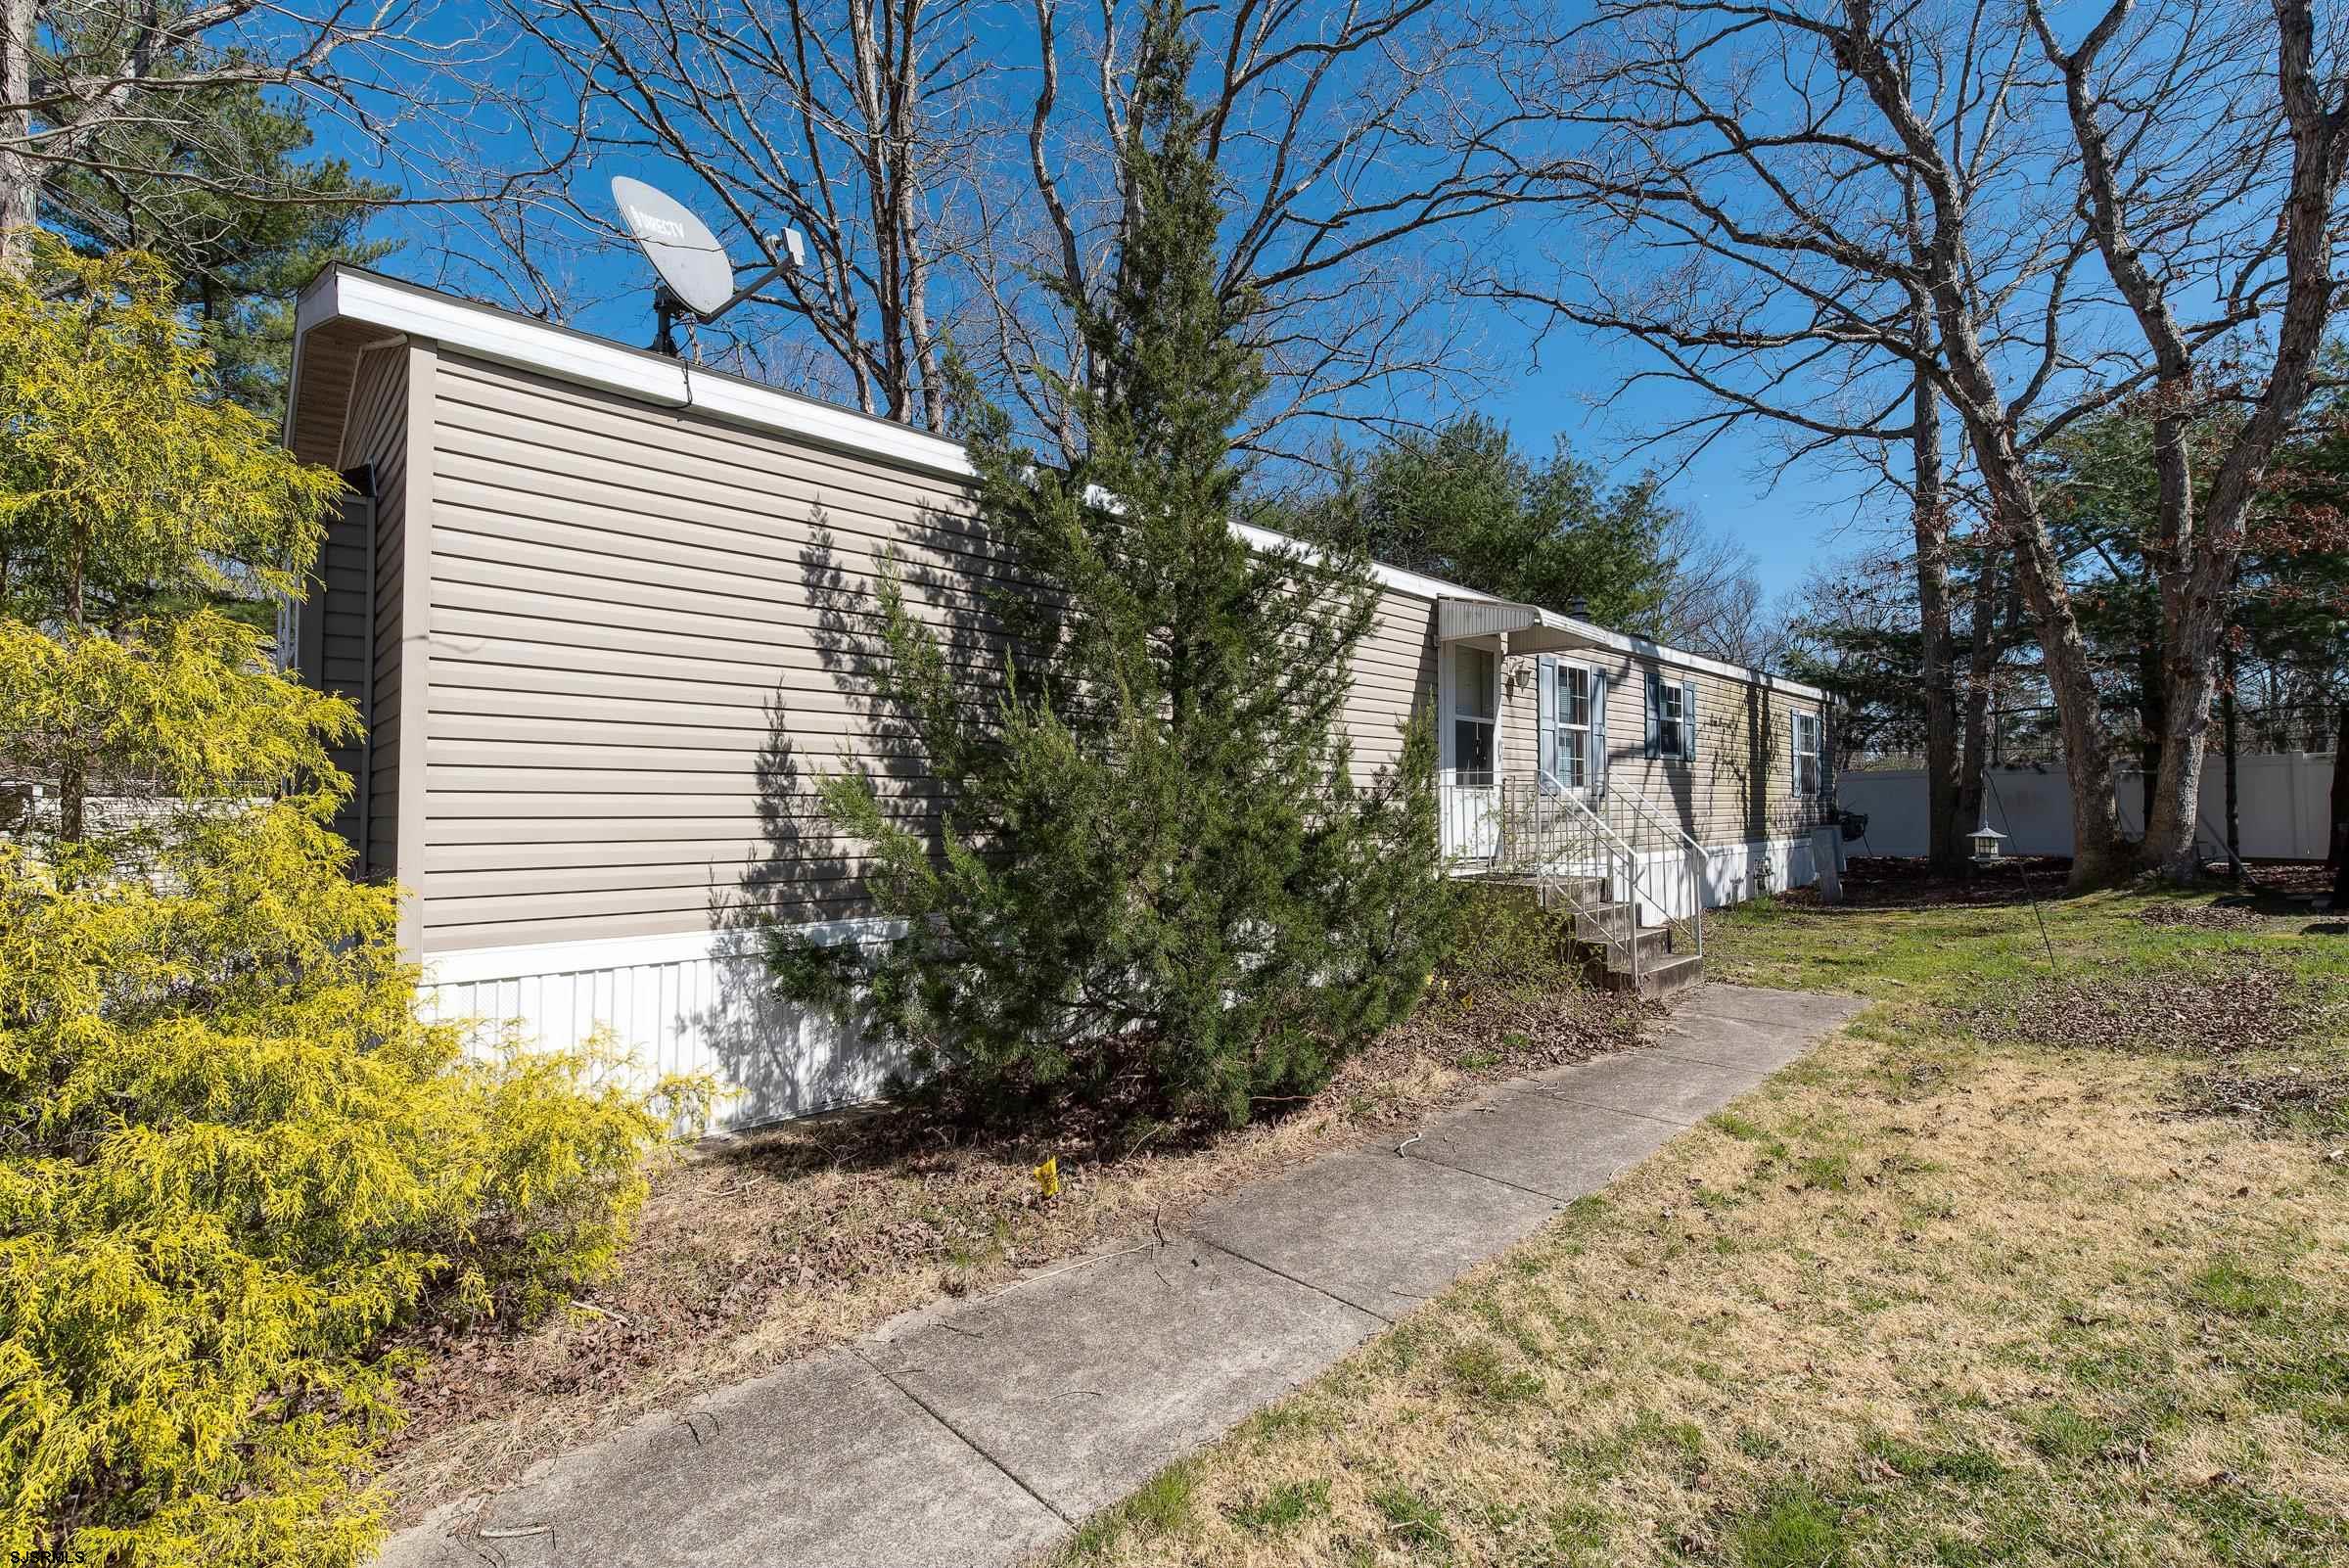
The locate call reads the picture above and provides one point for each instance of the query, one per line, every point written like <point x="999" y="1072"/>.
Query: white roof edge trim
<point x="1657" y="653"/>
<point x="339" y="293"/>
<point x="343" y="294"/>
<point x="1433" y="588"/>
<point x="1387" y="576"/>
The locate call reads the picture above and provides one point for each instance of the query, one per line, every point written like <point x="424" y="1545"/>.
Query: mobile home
<point x="605" y="614"/>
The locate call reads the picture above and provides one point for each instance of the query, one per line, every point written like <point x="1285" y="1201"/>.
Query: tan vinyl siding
<point x="1740" y="785"/>
<point x="651" y="637"/>
<point x="1393" y="674"/>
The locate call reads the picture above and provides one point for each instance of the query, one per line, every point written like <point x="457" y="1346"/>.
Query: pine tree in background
<point x="1463" y="503"/>
<point x="214" y="182"/>
<point x="1152" y="881"/>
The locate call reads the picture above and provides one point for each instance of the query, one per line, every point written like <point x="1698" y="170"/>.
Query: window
<point x="1473" y="703"/>
<point x="1573" y="727"/>
<point x="1805" y="755"/>
<point x="1674" y="719"/>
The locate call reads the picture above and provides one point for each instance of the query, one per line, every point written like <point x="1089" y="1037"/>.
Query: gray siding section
<point x="378" y="433"/>
<point x="337" y="646"/>
<point x="651" y="635"/>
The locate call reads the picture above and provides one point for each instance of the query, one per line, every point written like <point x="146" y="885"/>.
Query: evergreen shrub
<point x="233" y="1150"/>
<point x="1153" y="882"/>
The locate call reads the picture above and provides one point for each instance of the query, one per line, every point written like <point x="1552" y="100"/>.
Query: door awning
<point x="1529" y="627"/>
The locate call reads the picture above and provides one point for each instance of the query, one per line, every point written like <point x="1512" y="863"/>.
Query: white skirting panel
<point x="702" y="1002"/>
<point x="695" y="1002"/>
<point x="1733" y="873"/>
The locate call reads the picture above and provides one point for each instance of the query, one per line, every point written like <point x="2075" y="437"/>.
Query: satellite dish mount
<point x="697" y="276"/>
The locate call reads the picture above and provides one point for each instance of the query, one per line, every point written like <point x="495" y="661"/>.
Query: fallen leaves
<point x="2272" y="1099"/>
<point x="2202" y="917"/>
<point x="2249" y="1008"/>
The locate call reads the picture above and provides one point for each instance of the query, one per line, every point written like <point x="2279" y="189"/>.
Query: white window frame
<point x="1804" y="788"/>
<point x="1672" y="741"/>
<point x="1566" y="734"/>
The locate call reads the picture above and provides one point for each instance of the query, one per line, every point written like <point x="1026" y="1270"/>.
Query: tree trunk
<point x="1930" y="523"/>
<point x="2235" y="747"/>
<point x="1973" y="391"/>
<point x="2097" y="855"/>
<point x="20" y="176"/>
<point x="2152" y="716"/>
<point x="2340" y="790"/>
<point x="2194" y="614"/>
<point x="1981" y="662"/>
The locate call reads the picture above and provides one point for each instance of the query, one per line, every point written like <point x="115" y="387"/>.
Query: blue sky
<point x="1789" y="517"/>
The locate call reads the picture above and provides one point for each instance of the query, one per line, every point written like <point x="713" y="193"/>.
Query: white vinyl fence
<point x="2286" y="807"/>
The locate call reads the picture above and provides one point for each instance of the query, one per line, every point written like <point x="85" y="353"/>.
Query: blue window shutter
<point x="1655" y="711"/>
<point x="1687" y="720"/>
<point x="1598" y="730"/>
<point x="1545" y="709"/>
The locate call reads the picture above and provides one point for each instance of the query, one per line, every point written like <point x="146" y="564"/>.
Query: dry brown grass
<point x="1944" y="1293"/>
<point x="1943" y="1305"/>
<point x="760" y="1249"/>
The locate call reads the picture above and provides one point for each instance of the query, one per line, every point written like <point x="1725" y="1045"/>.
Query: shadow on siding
<point x="783" y="1059"/>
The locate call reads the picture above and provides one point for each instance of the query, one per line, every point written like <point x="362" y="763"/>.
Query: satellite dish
<point x="697" y="275"/>
<point x="679" y="246"/>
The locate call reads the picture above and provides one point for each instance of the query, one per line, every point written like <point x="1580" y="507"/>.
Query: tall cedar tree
<point x="1152" y="884"/>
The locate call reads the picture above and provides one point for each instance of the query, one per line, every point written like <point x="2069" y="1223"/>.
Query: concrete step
<point x="1582" y="892"/>
<point x="1603" y="922"/>
<point x="1654" y="943"/>
<point x="1661" y="972"/>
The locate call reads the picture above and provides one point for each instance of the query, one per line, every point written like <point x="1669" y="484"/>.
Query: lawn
<point x="2046" y="1260"/>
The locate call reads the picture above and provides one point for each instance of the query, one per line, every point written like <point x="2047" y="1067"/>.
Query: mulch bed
<point x="812" y="1232"/>
<point x="2204" y="917"/>
<point x="1902" y="882"/>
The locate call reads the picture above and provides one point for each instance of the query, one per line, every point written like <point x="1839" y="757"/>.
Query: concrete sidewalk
<point x="975" y="1432"/>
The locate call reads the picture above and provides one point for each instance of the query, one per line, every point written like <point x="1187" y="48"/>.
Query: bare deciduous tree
<point x="957" y="167"/>
<point x="1777" y="196"/>
<point x="78" y="75"/>
<point x="863" y="126"/>
<point x="1361" y="145"/>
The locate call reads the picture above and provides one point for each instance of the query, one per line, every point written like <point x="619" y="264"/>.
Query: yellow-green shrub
<point x="233" y="1156"/>
<point x="232" y="1150"/>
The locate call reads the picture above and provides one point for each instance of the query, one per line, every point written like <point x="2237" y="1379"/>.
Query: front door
<point x="1470" y="782"/>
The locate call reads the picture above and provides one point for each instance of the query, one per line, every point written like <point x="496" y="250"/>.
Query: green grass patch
<point x="1414" y="1521"/>
<point x="1283" y="1509"/>
<point x="1917" y="1462"/>
<point x="2231" y="1286"/>
<point x="1161" y="1505"/>
<point x="1481" y="1370"/>
<point x="1795" y="1528"/>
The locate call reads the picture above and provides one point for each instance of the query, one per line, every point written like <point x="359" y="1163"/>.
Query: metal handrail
<point x="1616" y="851"/>
<point x="1699" y="859"/>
